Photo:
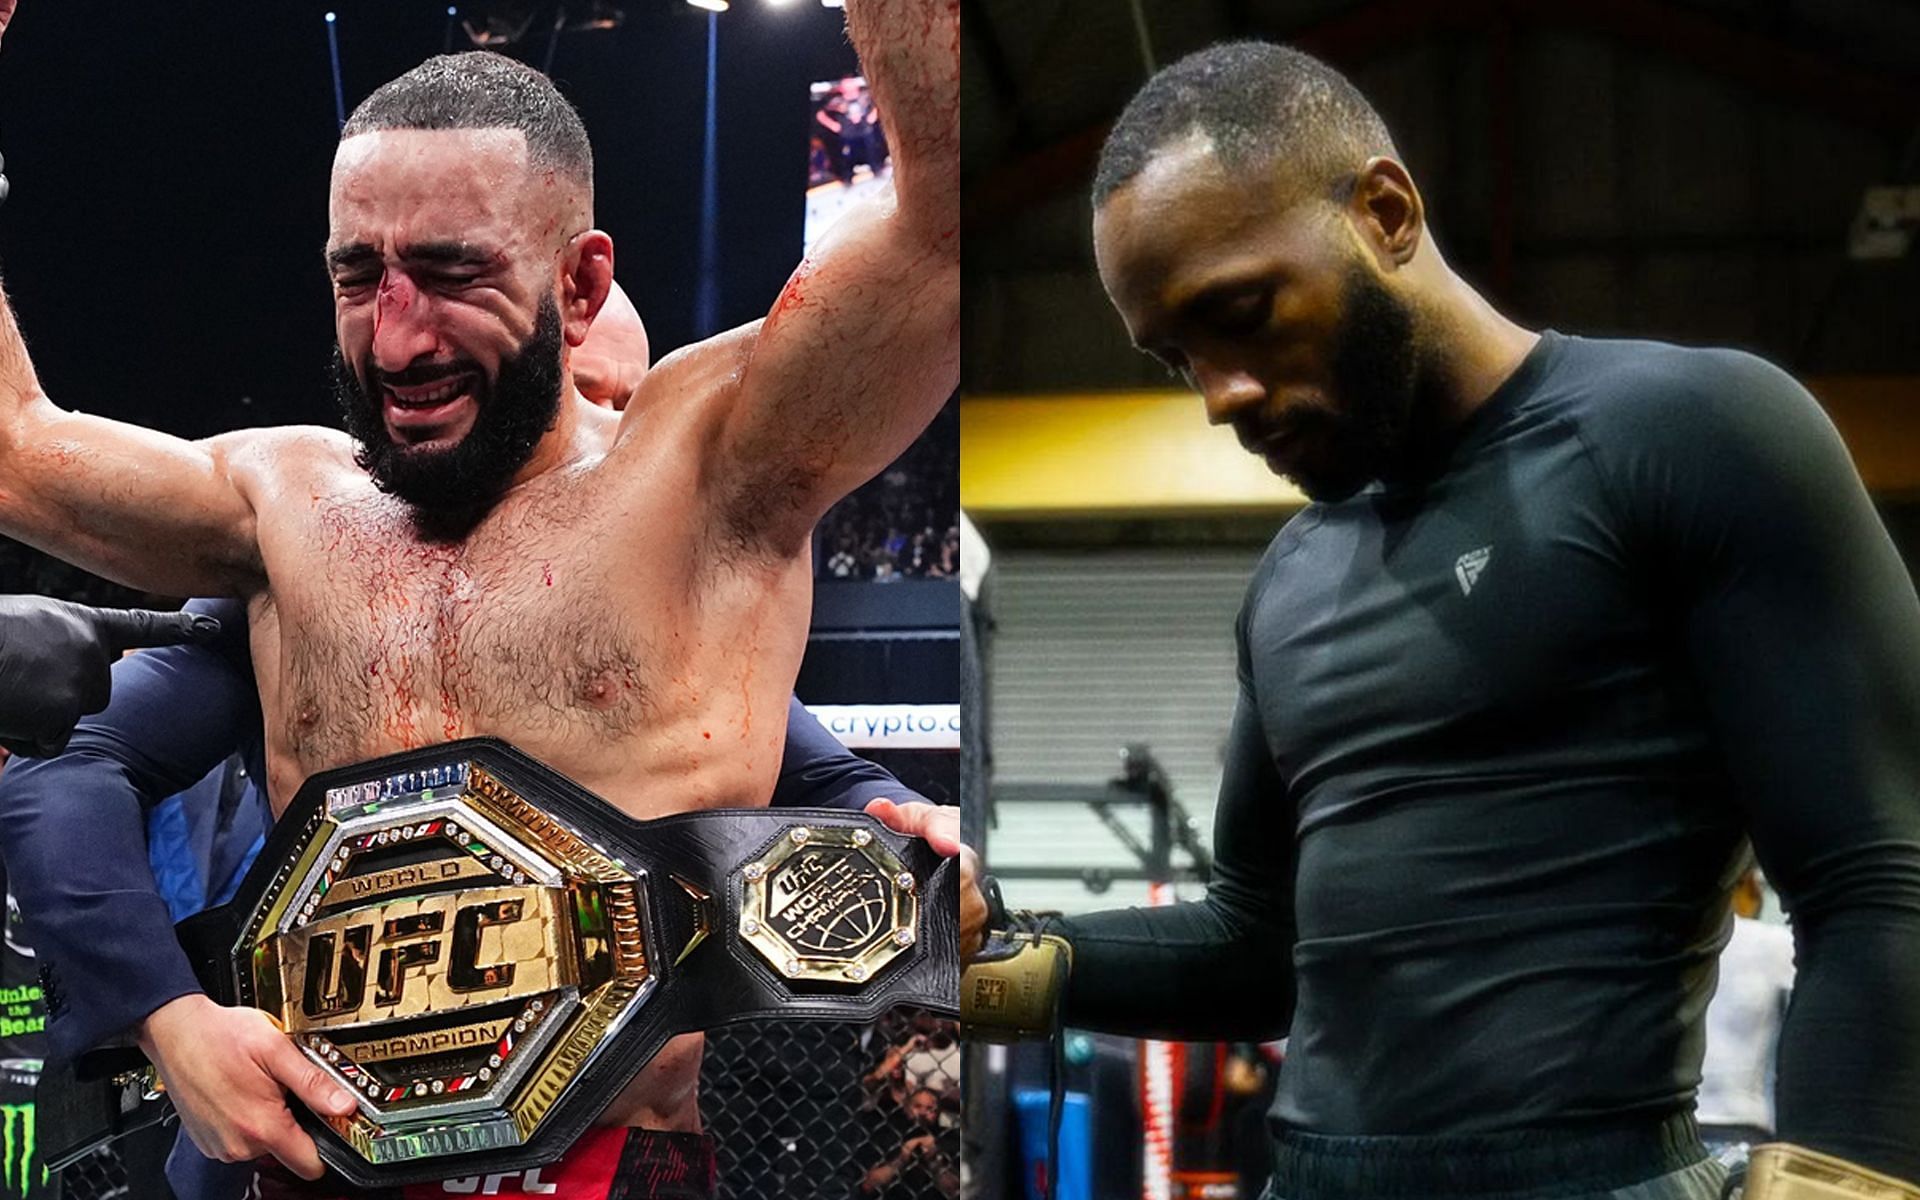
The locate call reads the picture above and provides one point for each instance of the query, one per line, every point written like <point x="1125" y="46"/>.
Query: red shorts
<point x="606" y="1164"/>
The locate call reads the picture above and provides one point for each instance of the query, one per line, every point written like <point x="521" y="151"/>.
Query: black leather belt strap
<point x="709" y="990"/>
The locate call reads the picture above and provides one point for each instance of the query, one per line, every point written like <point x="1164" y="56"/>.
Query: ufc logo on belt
<point x="417" y="955"/>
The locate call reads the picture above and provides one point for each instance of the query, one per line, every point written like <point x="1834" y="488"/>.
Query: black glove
<point x="54" y="661"/>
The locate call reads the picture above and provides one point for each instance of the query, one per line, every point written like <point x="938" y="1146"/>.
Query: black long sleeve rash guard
<point x="1499" y="737"/>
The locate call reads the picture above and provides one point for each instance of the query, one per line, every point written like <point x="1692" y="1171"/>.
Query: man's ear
<point x="1387" y="208"/>
<point x="586" y="276"/>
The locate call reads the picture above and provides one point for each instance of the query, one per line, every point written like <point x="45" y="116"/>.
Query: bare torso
<point x="634" y="616"/>
<point x="597" y="618"/>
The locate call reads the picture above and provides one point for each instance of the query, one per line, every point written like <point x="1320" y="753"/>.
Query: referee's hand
<point x="55" y="659"/>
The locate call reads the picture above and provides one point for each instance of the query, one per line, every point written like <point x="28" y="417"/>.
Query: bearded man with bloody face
<point x="1567" y="622"/>
<point x="476" y="556"/>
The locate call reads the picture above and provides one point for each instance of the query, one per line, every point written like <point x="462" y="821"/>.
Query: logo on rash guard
<point x="1468" y="567"/>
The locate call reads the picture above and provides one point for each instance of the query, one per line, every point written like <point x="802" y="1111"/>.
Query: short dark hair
<point x="479" y="89"/>
<point x="1257" y="103"/>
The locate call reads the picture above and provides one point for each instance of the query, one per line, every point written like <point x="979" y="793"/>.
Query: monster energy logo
<point x="18" y="1171"/>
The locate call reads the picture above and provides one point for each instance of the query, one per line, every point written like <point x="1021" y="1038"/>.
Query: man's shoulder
<point x="1654" y="417"/>
<point x="683" y="401"/>
<point x="1287" y="538"/>
<point x="277" y="453"/>
<point x="1279" y="551"/>
<point x="315" y="443"/>
<point x="701" y="368"/>
<point x="1658" y="391"/>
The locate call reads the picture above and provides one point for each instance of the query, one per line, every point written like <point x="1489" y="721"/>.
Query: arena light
<point x="833" y="3"/>
<point x="594" y="14"/>
<point x="710" y="5"/>
<point x="500" y="24"/>
<point x="333" y="54"/>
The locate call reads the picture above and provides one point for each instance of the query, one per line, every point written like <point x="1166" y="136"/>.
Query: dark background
<point x="162" y="243"/>
<point x="169" y="167"/>
<point x="1688" y="170"/>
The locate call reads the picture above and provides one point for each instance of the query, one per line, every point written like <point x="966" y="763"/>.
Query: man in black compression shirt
<point x="1566" y="620"/>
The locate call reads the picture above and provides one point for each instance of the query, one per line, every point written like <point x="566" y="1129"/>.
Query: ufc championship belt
<point x="485" y="952"/>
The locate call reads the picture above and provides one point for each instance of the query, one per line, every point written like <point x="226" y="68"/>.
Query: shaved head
<point x="1259" y="107"/>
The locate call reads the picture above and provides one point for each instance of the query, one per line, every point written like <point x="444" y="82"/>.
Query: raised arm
<point x="863" y="345"/>
<point x="140" y="507"/>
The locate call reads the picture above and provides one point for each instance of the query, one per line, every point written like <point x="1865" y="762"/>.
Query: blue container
<point x="1075" y="1165"/>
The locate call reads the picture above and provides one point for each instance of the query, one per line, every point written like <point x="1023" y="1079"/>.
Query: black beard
<point x="1375" y="373"/>
<point x="451" y="489"/>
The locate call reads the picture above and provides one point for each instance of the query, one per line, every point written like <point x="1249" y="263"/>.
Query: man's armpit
<point x="762" y="511"/>
<point x="757" y="482"/>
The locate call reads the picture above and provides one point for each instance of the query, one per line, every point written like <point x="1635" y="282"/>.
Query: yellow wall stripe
<point x="1148" y="454"/>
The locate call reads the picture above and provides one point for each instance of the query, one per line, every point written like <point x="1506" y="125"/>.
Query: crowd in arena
<point x="912" y="1108"/>
<point x="903" y="524"/>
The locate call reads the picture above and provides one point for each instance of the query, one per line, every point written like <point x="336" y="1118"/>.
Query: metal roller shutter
<point x="1092" y="651"/>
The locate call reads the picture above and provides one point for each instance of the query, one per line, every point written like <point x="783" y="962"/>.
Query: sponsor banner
<point x="22" y="1173"/>
<point x="891" y="726"/>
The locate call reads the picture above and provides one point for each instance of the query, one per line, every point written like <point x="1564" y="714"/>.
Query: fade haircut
<point x="1259" y="105"/>
<point x="479" y="89"/>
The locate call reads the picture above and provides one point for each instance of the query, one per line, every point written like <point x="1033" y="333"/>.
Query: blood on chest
<point x="399" y="644"/>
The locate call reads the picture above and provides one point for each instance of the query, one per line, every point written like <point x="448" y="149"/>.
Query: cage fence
<point x="836" y="1110"/>
<point x="101" y="1175"/>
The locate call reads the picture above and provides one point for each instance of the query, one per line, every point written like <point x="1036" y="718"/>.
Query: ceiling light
<point x="593" y="14"/>
<point x="499" y="24"/>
